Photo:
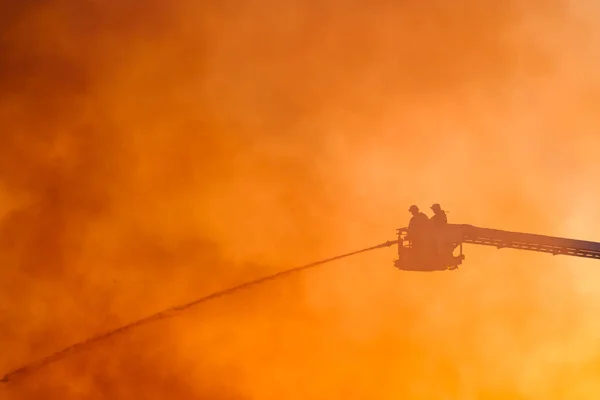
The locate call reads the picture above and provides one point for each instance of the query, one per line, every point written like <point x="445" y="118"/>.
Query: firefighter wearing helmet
<point x="439" y="216"/>
<point x="438" y="221"/>
<point x="417" y="225"/>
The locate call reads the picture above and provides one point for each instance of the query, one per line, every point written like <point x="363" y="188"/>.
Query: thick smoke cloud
<point x="150" y="155"/>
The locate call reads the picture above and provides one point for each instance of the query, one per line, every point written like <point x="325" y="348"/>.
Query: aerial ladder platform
<point x="435" y="250"/>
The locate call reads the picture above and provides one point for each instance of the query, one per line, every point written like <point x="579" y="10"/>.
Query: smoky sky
<point x="152" y="153"/>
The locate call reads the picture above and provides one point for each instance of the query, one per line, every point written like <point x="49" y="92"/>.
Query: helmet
<point x="413" y="208"/>
<point x="436" y="207"/>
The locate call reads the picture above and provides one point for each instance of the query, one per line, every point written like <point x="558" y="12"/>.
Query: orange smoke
<point x="149" y="156"/>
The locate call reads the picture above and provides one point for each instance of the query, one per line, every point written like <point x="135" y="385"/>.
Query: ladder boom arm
<point x="527" y="241"/>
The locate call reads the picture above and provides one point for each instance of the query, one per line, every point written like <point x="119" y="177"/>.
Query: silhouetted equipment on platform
<point x="438" y="251"/>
